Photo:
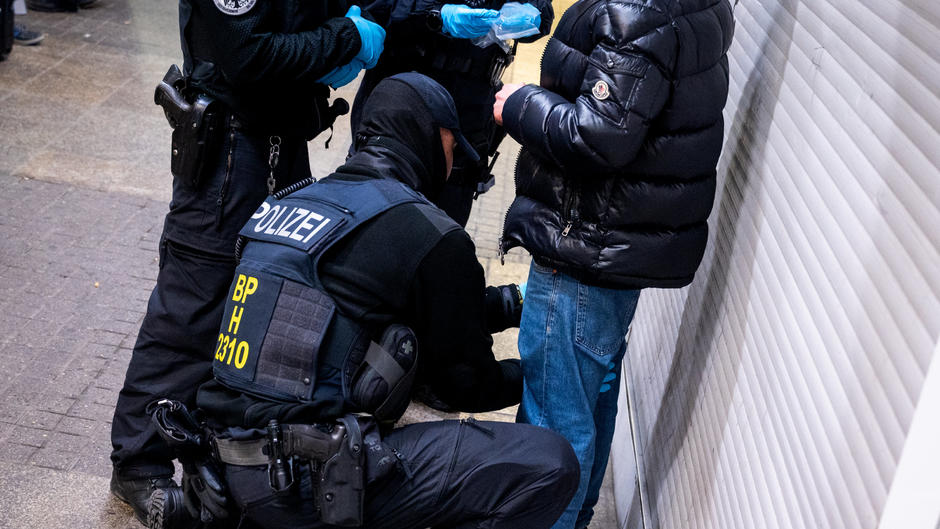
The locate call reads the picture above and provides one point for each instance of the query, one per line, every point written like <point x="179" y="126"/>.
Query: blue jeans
<point x="570" y="333"/>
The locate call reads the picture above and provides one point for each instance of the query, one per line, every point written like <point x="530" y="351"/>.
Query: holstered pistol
<point x="196" y="126"/>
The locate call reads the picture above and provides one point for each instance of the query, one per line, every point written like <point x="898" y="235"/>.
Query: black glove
<point x="423" y="393"/>
<point x="503" y="307"/>
<point x="512" y="371"/>
<point x="204" y="492"/>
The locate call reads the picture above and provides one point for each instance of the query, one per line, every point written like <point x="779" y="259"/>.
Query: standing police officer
<point x="433" y="37"/>
<point x="344" y="288"/>
<point x="253" y="92"/>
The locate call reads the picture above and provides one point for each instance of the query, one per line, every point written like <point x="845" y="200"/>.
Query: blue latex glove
<point x="465" y="22"/>
<point x="518" y="20"/>
<point x="372" y="36"/>
<point x="342" y="75"/>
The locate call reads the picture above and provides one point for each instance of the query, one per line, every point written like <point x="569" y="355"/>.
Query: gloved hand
<point x="372" y="36"/>
<point x="204" y="492"/>
<point x="342" y="75"/>
<point x="423" y="393"/>
<point x="518" y="20"/>
<point x="503" y="307"/>
<point x="465" y="22"/>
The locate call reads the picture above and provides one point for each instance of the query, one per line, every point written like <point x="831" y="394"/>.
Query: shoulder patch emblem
<point x="601" y="90"/>
<point x="235" y="7"/>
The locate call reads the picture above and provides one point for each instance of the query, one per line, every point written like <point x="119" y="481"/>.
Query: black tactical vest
<point x="282" y="337"/>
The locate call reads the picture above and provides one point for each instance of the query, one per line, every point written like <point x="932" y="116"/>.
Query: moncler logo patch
<point x="601" y="90"/>
<point x="235" y="7"/>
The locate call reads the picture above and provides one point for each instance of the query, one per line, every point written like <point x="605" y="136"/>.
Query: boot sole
<point x="156" y="516"/>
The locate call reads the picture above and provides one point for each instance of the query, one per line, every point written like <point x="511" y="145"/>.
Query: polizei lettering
<point x="290" y="222"/>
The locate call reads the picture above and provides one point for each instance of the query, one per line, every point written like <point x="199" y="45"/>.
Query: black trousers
<point x="175" y="345"/>
<point x="461" y="475"/>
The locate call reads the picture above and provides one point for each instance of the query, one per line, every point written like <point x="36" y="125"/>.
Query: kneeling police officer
<point x="346" y="290"/>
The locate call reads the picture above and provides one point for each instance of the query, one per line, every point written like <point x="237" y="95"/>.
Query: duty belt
<point x="336" y="459"/>
<point x="296" y="440"/>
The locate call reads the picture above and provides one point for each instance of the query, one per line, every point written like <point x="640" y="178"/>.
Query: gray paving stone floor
<point x="84" y="184"/>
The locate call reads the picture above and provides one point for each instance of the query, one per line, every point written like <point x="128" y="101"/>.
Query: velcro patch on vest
<point x="248" y="309"/>
<point x="302" y="224"/>
<point x="288" y="362"/>
<point x="271" y="335"/>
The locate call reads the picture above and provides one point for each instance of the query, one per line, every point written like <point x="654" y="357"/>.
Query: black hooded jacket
<point x="442" y="298"/>
<point x="616" y="178"/>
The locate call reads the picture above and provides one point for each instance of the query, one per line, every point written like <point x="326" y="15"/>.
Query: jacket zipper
<point x="515" y="182"/>
<point x="499" y="248"/>
<point x="569" y="214"/>
<point x="223" y="190"/>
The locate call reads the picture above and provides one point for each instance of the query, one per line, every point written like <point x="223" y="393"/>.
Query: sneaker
<point x="137" y="492"/>
<point x="26" y="37"/>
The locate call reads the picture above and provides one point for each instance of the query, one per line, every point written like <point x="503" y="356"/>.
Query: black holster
<point x="337" y="459"/>
<point x="197" y="122"/>
<point x="340" y="493"/>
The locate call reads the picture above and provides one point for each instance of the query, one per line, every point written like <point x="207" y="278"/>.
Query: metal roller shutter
<point x="779" y="389"/>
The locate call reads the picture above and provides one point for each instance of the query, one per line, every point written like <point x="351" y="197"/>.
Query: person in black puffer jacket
<point x="614" y="186"/>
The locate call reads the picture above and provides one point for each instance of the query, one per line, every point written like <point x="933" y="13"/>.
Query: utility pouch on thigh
<point x="340" y="494"/>
<point x="380" y="380"/>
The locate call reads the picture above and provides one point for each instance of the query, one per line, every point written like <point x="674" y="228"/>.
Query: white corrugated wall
<point x="779" y="389"/>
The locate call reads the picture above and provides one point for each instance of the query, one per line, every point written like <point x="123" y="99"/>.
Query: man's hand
<point x="501" y="97"/>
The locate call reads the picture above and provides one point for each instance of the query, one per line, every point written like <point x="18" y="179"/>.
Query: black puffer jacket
<point x="620" y="142"/>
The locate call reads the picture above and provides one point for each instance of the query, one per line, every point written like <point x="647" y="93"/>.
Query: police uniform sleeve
<point x="455" y="350"/>
<point x="250" y="49"/>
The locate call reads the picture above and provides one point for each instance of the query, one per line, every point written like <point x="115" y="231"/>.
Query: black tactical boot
<point x="136" y="492"/>
<point x="167" y="510"/>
